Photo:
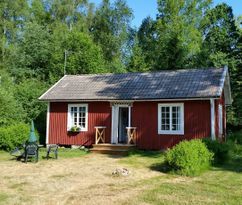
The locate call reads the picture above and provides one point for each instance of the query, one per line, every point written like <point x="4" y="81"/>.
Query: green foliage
<point x="189" y="157"/>
<point x="236" y="137"/>
<point x="13" y="135"/>
<point x="174" y="39"/>
<point x="82" y="55"/>
<point x="110" y="29"/>
<point x="137" y="60"/>
<point x="27" y="94"/>
<point x="221" y="151"/>
<point x="222" y="45"/>
<point x="31" y="58"/>
<point x="10" y="110"/>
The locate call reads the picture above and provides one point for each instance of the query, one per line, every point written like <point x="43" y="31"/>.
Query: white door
<point x="220" y="119"/>
<point x="115" y="111"/>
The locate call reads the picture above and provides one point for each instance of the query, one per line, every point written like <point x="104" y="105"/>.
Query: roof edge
<point x="133" y="100"/>
<point x="222" y="80"/>
<point x="41" y="97"/>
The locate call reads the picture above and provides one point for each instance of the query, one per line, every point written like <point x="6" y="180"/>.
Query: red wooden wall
<point x="99" y="114"/>
<point x="144" y="117"/>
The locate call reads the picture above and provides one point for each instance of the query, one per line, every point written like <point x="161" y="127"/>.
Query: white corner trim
<point x="212" y="107"/>
<point x="69" y="123"/>
<point x="171" y="132"/>
<point x="40" y="98"/>
<point x="47" y="124"/>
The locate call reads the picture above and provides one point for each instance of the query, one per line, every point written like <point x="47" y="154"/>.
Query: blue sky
<point x="144" y="8"/>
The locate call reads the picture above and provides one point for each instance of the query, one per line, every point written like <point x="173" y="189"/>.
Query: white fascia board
<point x="40" y="98"/>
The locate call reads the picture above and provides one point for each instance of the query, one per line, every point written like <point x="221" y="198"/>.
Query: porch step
<point x="112" y="149"/>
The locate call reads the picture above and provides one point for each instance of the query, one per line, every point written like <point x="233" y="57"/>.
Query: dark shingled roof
<point x="178" y="84"/>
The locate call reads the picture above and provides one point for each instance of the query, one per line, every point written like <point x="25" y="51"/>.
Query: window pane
<point x="176" y="120"/>
<point x="73" y="116"/>
<point x="165" y="118"/>
<point x="82" y="117"/>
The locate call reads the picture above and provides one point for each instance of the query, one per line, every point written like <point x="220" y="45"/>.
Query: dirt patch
<point x="84" y="180"/>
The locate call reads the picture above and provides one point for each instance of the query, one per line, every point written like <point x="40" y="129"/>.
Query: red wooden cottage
<point x="154" y="110"/>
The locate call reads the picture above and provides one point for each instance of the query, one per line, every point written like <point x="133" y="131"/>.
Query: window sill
<point x="170" y="132"/>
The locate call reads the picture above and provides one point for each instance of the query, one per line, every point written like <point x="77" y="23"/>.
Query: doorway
<point x="121" y="118"/>
<point x="122" y="124"/>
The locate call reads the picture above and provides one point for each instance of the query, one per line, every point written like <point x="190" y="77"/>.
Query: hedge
<point x="13" y="136"/>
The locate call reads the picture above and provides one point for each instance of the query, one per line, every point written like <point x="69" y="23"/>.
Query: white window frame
<point x="69" y="120"/>
<point x="171" y="132"/>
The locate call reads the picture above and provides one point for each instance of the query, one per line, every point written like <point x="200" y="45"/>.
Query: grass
<point x="4" y="155"/>
<point x="62" y="153"/>
<point x="141" y="159"/>
<point x="219" y="185"/>
<point x="88" y="179"/>
<point x="3" y="197"/>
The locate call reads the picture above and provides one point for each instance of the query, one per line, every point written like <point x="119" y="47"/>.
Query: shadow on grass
<point x="137" y="153"/>
<point x="233" y="165"/>
<point x="153" y="160"/>
<point x="161" y="167"/>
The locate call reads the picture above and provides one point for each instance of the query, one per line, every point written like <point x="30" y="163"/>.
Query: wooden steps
<point x="112" y="149"/>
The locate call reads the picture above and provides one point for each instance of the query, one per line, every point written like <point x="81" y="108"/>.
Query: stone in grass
<point x="75" y="146"/>
<point x="120" y="172"/>
<point x="83" y="148"/>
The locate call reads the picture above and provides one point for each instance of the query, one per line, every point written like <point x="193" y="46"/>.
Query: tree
<point x="137" y="61"/>
<point x="147" y="41"/>
<point x="222" y="45"/>
<point x="10" y="109"/>
<point x="82" y="55"/>
<point x="31" y="58"/>
<point x="178" y="32"/>
<point x="110" y="30"/>
<point x="27" y="94"/>
<point x="13" y="14"/>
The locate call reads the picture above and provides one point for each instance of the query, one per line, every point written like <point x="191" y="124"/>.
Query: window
<point x="77" y="116"/>
<point x="171" y="118"/>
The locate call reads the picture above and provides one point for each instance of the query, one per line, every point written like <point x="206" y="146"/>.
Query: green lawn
<point x="219" y="185"/>
<point x="62" y="153"/>
<point x="72" y="179"/>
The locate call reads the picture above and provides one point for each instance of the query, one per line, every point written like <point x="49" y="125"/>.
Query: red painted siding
<point x="99" y="114"/>
<point x="144" y="117"/>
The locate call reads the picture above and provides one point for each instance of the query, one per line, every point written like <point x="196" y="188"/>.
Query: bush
<point x="13" y="136"/>
<point x="220" y="150"/>
<point x="236" y="137"/>
<point x="189" y="157"/>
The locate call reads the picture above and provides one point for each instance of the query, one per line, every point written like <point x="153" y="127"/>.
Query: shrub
<point x="220" y="150"/>
<point x="189" y="157"/>
<point x="236" y="137"/>
<point x="13" y="136"/>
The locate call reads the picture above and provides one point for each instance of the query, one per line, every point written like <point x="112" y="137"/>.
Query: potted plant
<point x="75" y="128"/>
